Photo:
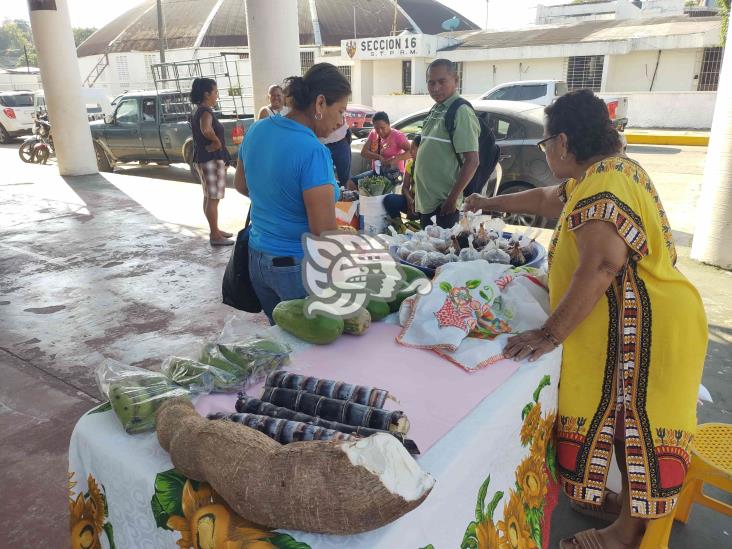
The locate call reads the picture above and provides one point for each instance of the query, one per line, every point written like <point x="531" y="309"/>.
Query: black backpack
<point x="488" y="152"/>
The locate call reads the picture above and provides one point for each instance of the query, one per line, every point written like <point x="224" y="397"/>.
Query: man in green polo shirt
<point x="439" y="177"/>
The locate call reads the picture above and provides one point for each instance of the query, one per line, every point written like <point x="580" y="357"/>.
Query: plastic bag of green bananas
<point x="250" y="361"/>
<point x="135" y="393"/>
<point x="199" y="377"/>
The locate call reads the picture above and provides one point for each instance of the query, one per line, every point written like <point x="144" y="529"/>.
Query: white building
<point x="119" y="56"/>
<point x="668" y="66"/>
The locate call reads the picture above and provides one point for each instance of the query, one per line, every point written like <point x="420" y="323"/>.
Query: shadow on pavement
<point x="650" y="149"/>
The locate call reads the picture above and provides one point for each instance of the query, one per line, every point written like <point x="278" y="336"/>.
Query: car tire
<point x="4" y="136"/>
<point x="188" y="159"/>
<point x="103" y="163"/>
<point x="526" y="220"/>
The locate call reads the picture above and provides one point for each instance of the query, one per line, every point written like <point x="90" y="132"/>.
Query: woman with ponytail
<point x="288" y="175"/>
<point x="210" y="155"/>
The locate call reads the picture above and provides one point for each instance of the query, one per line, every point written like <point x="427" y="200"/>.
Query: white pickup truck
<point x="545" y="92"/>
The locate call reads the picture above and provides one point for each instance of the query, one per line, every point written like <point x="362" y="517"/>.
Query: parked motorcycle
<point x="38" y="148"/>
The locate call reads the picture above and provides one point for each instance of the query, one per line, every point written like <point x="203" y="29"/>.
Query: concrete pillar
<point x="274" y="44"/>
<point x="713" y="233"/>
<point x="606" y="66"/>
<point x="59" y="66"/>
<point x="419" y="75"/>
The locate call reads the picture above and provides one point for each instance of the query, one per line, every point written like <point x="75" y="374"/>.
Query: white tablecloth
<point x="125" y="488"/>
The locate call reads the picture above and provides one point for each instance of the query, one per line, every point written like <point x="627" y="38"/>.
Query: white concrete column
<point x="59" y="66"/>
<point x="606" y="65"/>
<point x="713" y="232"/>
<point x="419" y="75"/>
<point x="274" y="44"/>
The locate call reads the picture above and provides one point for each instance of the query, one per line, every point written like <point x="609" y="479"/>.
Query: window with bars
<point x="150" y="60"/>
<point x="709" y="73"/>
<point x="346" y="71"/>
<point x="459" y="69"/>
<point x="307" y="60"/>
<point x="407" y="77"/>
<point x="585" y="72"/>
<point x="123" y="70"/>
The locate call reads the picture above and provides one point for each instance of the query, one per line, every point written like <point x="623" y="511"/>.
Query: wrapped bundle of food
<point x="403" y="252"/>
<point x="481" y="237"/>
<point x="135" y="394"/>
<point x="516" y="255"/>
<point x="493" y="254"/>
<point x="199" y="377"/>
<point x="434" y="259"/>
<point x="469" y="253"/>
<point x="415" y="258"/>
<point x="452" y="257"/>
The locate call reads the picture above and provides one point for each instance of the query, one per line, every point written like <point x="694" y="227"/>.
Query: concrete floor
<point x="119" y="265"/>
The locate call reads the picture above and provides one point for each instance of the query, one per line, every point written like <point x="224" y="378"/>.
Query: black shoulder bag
<point x="236" y="287"/>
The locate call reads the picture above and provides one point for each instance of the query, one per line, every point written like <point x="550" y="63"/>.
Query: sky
<point x="95" y="13"/>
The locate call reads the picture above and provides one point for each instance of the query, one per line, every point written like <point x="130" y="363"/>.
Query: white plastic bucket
<point x="373" y="214"/>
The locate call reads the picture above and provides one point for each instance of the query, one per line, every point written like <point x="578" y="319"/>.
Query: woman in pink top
<point x="388" y="146"/>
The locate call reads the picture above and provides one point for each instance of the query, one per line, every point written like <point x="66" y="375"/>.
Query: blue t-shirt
<point x="282" y="159"/>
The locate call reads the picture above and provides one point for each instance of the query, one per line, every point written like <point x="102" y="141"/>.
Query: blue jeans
<point x="341" y="154"/>
<point x="273" y="284"/>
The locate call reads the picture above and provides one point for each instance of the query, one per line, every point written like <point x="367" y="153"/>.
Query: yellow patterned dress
<point x="638" y="357"/>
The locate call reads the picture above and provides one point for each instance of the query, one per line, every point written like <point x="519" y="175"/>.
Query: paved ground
<point x="119" y="265"/>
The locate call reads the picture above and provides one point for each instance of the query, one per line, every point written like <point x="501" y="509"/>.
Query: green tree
<point x="724" y="12"/>
<point x="15" y="41"/>
<point x="82" y="33"/>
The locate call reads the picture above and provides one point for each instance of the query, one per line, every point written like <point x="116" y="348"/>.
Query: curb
<point x="694" y="140"/>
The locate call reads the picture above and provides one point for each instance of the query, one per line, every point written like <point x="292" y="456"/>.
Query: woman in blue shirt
<point x="288" y="175"/>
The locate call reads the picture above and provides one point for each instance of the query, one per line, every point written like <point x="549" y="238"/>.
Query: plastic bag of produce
<point x="199" y="377"/>
<point x="135" y="393"/>
<point x="250" y="361"/>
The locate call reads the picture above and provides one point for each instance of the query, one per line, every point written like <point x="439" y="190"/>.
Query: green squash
<point x="320" y="330"/>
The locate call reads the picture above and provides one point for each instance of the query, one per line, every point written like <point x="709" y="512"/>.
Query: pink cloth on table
<point x="432" y="392"/>
<point x="394" y="145"/>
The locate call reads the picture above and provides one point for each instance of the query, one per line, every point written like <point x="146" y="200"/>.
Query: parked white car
<point x="16" y="114"/>
<point x="541" y="92"/>
<point x="546" y="92"/>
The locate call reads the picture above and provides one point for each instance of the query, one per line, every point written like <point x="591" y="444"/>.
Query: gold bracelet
<point x="549" y="336"/>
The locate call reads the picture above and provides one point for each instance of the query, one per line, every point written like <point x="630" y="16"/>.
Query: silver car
<point x="518" y="127"/>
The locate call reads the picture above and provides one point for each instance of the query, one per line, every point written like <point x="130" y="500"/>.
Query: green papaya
<point x="378" y="310"/>
<point x="320" y="330"/>
<point x="410" y="275"/>
<point x="357" y="324"/>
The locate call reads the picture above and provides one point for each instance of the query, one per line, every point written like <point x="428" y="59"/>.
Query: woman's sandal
<point x="587" y="539"/>
<point x="608" y="511"/>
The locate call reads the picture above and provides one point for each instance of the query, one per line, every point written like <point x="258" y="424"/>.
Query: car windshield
<point x="19" y="100"/>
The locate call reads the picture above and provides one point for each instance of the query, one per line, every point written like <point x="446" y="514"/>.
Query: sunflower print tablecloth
<point x="495" y="470"/>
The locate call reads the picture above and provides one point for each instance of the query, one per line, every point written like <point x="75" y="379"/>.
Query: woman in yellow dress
<point x="633" y="328"/>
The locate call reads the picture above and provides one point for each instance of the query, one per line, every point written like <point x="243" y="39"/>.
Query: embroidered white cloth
<point x="473" y="308"/>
